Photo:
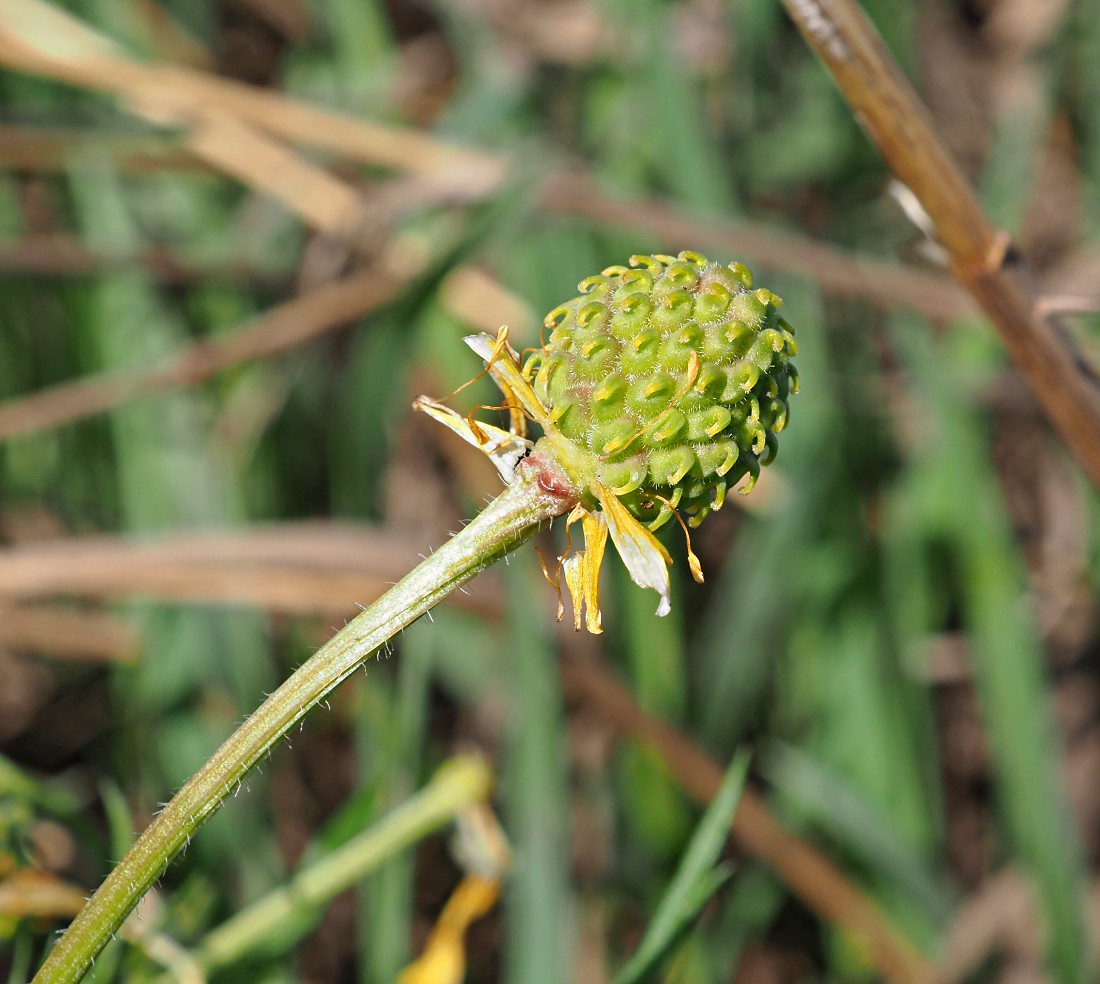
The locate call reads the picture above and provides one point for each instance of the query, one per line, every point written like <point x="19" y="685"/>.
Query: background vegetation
<point x="215" y="308"/>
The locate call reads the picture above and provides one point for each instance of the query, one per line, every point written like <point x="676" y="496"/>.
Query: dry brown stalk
<point x="326" y="203"/>
<point x="67" y="633"/>
<point x="1000" y="910"/>
<point x="35" y="894"/>
<point x="283" y="327"/>
<point x="810" y="875"/>
<point x="981" y="257"/>
<point x="1000" y="916"/>
<point x="62" y="254"/>
<point x="54" y="149"/>
<point x="236" y="128"/>
<point x="228" y="121"/>
<point x="470" y="293"/>
<point x="37" y="37"/>
<point x="479" y="300"/>
<point x="835" y="271"/>
<point x="301" y="568"/>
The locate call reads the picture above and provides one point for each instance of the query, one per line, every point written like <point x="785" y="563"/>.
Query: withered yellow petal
<point x="582" y="569"/>
<point x="642" y="553"/>
<point x="572" y="566"/>
<point x="696" y="567"/>
<point x="504" y="449"/>
<point x="474" y="897"/>
<point x="503" y="364"/>
<point x="443" y="962"/>
<point x="595" y="542"/>
<point x="444" y="957"/>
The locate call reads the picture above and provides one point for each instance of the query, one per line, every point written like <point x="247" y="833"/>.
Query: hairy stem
<point x="539" y="492"/>
<point x="283" y="914"/>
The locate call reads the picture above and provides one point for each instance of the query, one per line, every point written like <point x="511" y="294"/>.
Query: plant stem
<point x="282" y="914"/>
<point x="981" y="258"/>
<point x="539" y="492"/>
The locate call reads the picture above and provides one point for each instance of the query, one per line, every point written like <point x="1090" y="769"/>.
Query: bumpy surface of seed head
<point x="671" y="376"/>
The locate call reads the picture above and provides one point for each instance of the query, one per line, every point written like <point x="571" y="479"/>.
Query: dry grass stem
<point x="981" y="257"/>
<point x="78" y="635"/>
<point x="54" y="149"/>
<point x="226" y="120"/>
<point x="836" y="271"/>
<point x="283" y="327"/>
<point x="58" y="254"/>
<point x="37" y="894"/>
<point x="1001" y="917"/>
<point x="37" y="37"/>
<point x="326" y="203"/>
<point x="303" y="568"/>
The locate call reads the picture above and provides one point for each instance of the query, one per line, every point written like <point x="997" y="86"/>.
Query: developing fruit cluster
<point x="670" y="378"/>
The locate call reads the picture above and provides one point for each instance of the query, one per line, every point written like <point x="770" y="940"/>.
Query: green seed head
<point x="670" y="380"/>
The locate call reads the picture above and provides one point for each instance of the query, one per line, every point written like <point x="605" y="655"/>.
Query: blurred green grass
<point x="885" y="536"/>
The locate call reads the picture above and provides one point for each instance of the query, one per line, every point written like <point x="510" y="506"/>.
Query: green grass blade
<point x="536" y="792"/>
<point x="696" y="878"/>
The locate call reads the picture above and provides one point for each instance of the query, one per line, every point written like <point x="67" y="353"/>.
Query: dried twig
<point x="35" y="894"/>
<point x="982" y="258"/>
<point x="283" y="327"/>
<point x="239" y="129"/>
<point x="228" y="121"/>
<point x="54" y="149"/>
<point x="303" y="568"/>
<point x="67" y="633"/>
<point x="325" y="202"/>
<point x="1001" y="915"/>
<point x="835" y="271"/>
<point x="57" y="254"/>
<point x="38" y="37"/>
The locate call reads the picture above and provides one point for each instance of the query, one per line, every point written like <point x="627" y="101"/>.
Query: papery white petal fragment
<point x="642" y="553"/>
<point x="485" y="345"/>
<point x="505" y="449"/>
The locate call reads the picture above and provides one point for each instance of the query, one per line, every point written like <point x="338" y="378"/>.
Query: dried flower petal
<point x="444" y="957"/>
<point x="505" y="449"/>
<point x="582" y="569"/>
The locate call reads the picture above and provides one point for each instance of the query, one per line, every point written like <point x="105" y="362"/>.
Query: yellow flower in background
<point x="661" y="386"/>
<point x="482" y="849"/>
<point x="444" y="957"/>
